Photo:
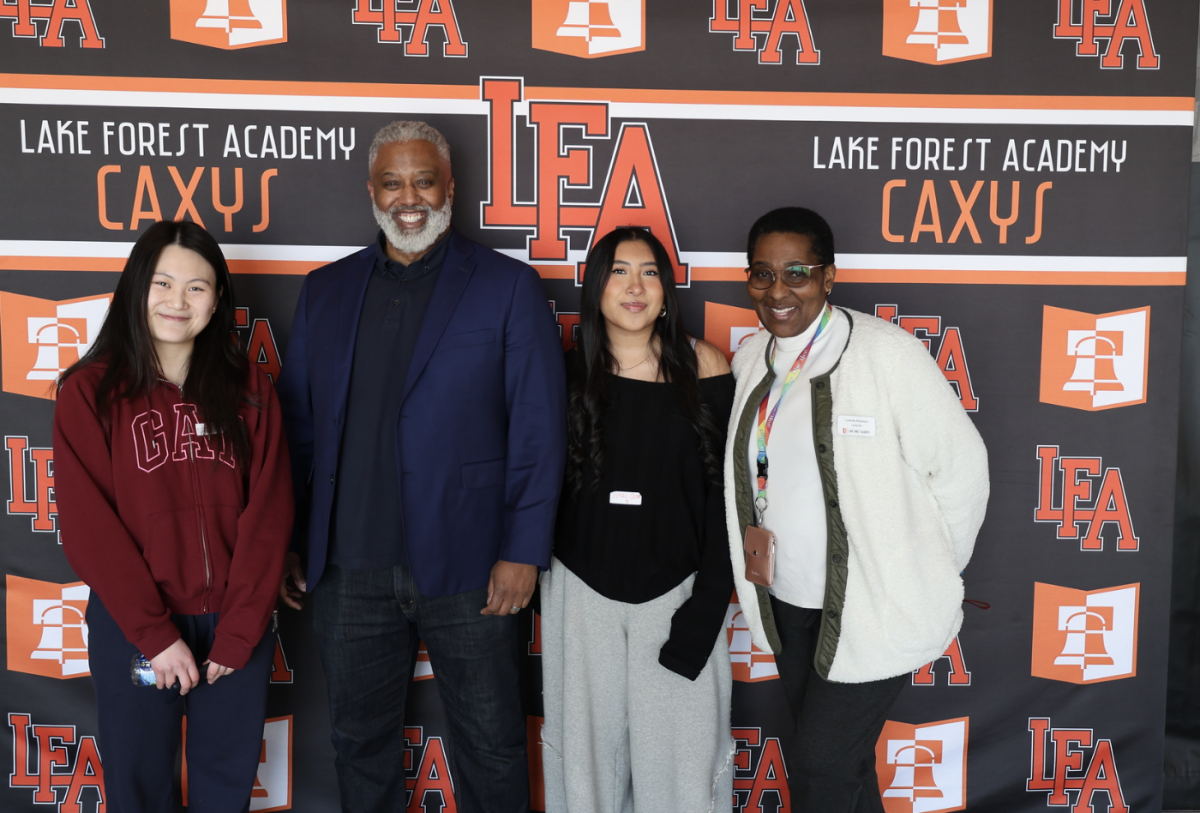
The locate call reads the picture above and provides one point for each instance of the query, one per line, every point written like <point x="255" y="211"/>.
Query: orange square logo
<point x="1094" y="361"/>
<point x="937" y="32"/>
<point x="750" y="664"/>
<point x="589" y="28"/>
<point x="47" y="627"/>
<point x="1084" y="636"/>
<point x="229" y="24"/>
<point x="39" y="338"/>
<point x="923" y="768"/>
<point x="726" y="327"/>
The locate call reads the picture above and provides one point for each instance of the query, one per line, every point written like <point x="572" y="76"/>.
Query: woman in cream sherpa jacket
<point x="847" y="442"/>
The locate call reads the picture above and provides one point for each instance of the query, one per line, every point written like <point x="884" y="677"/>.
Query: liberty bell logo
<point x="47" y="627"/>
<point x="1094" y="361"/>
<point x="1094" y="352"/>
<point x="589" y="28"/>
<point x="923" y="768"/>
<point x="39" y="338"/>
<point x="1085" y="628"/>
<point x="1084" y="636"/>
<point x="937" y="32"/>
<point x="229" y="24"/>
<point x="64" y="638"/>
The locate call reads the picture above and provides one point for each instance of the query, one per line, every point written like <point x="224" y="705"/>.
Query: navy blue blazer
<point x="481" y="434"/>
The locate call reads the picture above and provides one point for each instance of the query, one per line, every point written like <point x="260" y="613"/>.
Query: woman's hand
<point x="292" y="594"/>
<point x="175" y="663"/>
<point x="216" y="670"/>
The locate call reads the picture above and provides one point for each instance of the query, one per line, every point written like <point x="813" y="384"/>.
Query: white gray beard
<point x="415" y="242"/>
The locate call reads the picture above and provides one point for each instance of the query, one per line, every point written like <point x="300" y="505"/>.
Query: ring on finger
<point x="516" y="609"/>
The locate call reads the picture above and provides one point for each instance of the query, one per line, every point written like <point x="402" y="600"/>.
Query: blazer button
<point x="837" y="558"/>
<point x="331" y="479"/>
<point x="820" y="446"/>
<point x="820" y="385"/>
<point x="831" y="613"/>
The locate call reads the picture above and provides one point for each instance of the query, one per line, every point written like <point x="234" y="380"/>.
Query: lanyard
<point x="765" y="421"/>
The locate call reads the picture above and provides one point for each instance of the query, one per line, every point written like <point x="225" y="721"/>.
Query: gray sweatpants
<point x="623" y="734"/>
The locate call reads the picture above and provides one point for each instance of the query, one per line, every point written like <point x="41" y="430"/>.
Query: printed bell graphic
<point x="1094" y="373"/>
<point x="914" y="773"/>
<point x="937" y="23"/>
<point x="588" y="20"/>
<point x="50" y="358"/>
<point x="227" y="15"/>
<point x="1085" y="640"/>
<point x="64" y="637"/>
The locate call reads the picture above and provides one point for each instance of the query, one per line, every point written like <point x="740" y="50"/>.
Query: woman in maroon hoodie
<point x="175" y="505"/>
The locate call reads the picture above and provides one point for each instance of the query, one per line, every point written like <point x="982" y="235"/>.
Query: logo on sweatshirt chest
<point x="177" y="437"/>
<point x="47" y="627"/>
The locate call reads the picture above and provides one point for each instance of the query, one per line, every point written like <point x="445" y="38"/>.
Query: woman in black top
<point x="635" y="663"/>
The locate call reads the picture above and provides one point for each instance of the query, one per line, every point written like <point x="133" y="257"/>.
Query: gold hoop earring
<point x="663" y="313"/>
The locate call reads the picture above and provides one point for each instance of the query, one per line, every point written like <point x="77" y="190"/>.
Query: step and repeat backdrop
<point x="1006" y="181"/>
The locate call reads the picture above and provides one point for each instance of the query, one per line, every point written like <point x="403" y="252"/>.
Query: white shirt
<point x="796" y="502"/>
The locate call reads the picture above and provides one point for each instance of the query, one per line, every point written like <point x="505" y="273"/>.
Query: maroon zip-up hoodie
<point x="157" y="518"/>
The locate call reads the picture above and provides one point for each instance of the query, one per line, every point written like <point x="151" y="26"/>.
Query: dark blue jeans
<point x="139" y="732"/>
<point x="368" y="625"/>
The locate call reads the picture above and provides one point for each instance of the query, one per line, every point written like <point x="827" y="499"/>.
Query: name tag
<point x="202" y="429"/>
<point x="625" y="498"/>
<point x="859" y="426"/>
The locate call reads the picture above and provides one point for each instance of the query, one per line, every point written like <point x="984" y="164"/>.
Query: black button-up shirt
<point x="368" y="517"/>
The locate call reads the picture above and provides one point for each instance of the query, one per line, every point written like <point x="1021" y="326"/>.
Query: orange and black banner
<point x="1006" y="181"/>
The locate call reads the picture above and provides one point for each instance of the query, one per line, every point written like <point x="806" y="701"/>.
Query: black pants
<point x="140" y="733"/>
<point x="831" y="763"/>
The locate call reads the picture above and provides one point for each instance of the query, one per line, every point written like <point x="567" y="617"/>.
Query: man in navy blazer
<point x="424" y="400"/>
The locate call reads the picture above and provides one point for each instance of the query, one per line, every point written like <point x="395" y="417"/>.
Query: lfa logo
<point x="937" y="32"/>
<point x="957" y="675"/>
<point x="632" y="193"/>
<point x="949" y="353"/>
<point x="411" y="25"/>
<point x="1078" y="514"/>
<point x="41" y="337"/>
<point x="762" y="25"/>
<point x="57" y="767"/>
<point x="589" y="28"/>
<point x="47" y="628"/>
<point x="1072" y="765"/>
<point x="48" y="22"/>
<point x="1084" y="636"/>
<point x="1123" y="21"/>
<point x="923" y="768"/>
<point x="1094" y="361"/>
<point x="759" y="773"/>
<point x="31" y="483"/>
<point x="229" y="24"/>
<point x="750" y="664"/>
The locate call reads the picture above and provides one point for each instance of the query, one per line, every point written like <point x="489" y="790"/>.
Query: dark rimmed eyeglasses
<point x="794" y="276"/>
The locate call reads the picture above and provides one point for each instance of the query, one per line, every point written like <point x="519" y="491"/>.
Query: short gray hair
<point x="402" y="131"/>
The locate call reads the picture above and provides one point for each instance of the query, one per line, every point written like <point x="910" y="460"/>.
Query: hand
<point x="292" y="594"/>
<point x="510" y="588"/>
<point x="216" y="670"/>
<point x="175" y="663"/>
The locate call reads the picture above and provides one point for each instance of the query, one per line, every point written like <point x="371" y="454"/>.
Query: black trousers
<point x="831" y="762"/>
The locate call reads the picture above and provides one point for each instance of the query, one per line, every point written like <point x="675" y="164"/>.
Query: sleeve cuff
<point x="229" y="652"/>
<point x="680" y="666"/>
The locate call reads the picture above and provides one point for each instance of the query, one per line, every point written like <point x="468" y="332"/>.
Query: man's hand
<point x="175" y="663"/>
<point x="292" y="594"/>
<point x="510" y="588"/>
<point x="216" y="670"/>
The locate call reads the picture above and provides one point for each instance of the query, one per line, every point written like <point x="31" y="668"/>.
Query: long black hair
<point x="218" y="369"/>
<point x="588" y="365"/>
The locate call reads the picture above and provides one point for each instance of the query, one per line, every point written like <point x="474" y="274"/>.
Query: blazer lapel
<point x="452" y="281"/>
<point x="352" y="294"/>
